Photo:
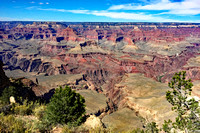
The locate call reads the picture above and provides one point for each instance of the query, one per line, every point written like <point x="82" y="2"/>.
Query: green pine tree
<point x="183" y="104"/>
<point x="65" y="107"/>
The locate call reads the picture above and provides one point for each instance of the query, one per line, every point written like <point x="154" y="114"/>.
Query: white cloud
<point x="40" y="3"/>
<point x="115" y="15"/>
<point x="130" y="16"/>
<point x="32" y="7"/>
<point x="185" y="7"/>
<point x="183" y="12"/>
<point x="79" y="11"/>
<point x="62" y="10"/>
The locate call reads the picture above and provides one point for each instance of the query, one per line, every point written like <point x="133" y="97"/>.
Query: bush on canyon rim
<point x="10" y="124"/>
<point x="65" y="107"/>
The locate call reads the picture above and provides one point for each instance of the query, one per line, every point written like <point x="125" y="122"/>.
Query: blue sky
<point x="101" y="10"/>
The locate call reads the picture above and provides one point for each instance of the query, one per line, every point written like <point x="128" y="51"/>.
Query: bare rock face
<point x="91" y="35"/>
<point x="145" y="96"/>
<point x="4" y="81"/>
<point x="67" y="34"/>
<point x="37" y="89"/>
<point x="88" y="43"/>
<point x="93" y="122"/>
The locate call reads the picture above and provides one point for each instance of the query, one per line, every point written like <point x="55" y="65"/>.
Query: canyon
<point x="117" y="67"/>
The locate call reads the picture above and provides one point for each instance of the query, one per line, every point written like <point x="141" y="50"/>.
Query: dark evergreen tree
<point x="186" y="106"/>
<point x="65" y="107"/>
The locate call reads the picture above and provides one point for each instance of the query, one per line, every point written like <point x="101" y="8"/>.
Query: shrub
<point x="152" y="127"/>
<point x="7" y="93"/>
<point x="18" y="91"/>
<point x="37" y="126"/>
<point x="10" y="124"/>
<point x="138" y="130"/>
<point x="26" y="108"/>
<point x="65" y="107"/>
<point x="39" y="111"/>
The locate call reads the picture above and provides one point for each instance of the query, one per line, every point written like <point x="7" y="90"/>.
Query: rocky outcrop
<point x="91" y="35"/>
<point x="147" y="100"/>
<point x="93" y="122"/>
<point x="37" y="89"/>
<point x="68" y="34"/>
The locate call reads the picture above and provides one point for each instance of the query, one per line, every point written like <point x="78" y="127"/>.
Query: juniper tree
<point x="65" y="107"/>
<point x="186" y="106"/>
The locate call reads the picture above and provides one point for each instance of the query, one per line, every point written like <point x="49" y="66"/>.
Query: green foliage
<point x="18" y="91"/>
<point x="66" y="129"/>
<point x="65" y="107"/>
<point x="167" y="126"/>
<point x="39" y="111"/>
<point x="187" y="108"/>
<point x="37" y="126"/>
<point x="7" y="93"/>
<point x="152" y="127"/>
<point x="69" y="129"/>
<point x="10" y="124"/>
<point x="26" y="108"/>
<point x="159" y="78"/>
<point x="138" y="130"/>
